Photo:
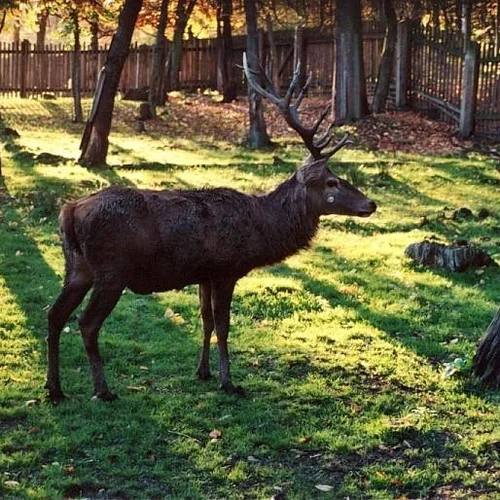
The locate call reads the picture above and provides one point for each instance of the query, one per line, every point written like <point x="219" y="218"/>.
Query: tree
<point x="157" y="94"/>
<point x="350" y="101"/>
<point x="386" y="63"/>
<point x="95" y="141"/>
<point x="225" y="62"/>
<point x="257" y="135"/>
<point x="486" y="363"/>
<point x="75" y="67"/>
<point x="183" y="12"/>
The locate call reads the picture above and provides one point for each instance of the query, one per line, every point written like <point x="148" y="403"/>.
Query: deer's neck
<point x="291" y="217"/>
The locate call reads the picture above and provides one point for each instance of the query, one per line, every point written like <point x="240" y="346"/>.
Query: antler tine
<point x="343" y="142"/>
<point x="303" y="92"/>
<point x="256" y="86"/>
<point x="319" y="121"/>
<point x="293" y="85"/>
<point x="326" y="138"/>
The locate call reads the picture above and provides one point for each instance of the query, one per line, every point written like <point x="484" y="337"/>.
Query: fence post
<point x="23" y="83"/>
<point x="403" y="66"/>
<point x="469" y="89"/>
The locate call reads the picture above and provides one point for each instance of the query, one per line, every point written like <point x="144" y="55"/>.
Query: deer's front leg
<point x="207" y="318"/>
<point x="222" y="293"/>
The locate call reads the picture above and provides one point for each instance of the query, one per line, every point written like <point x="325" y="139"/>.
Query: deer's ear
<point x="311" y="172"/>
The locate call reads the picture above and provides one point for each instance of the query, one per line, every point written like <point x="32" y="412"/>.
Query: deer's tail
<point x="67" y="229"/>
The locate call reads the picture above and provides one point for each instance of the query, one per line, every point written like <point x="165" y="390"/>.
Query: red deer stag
<point x="154" y="241"/>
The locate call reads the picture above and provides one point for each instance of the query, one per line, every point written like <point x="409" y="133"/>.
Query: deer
<point x="153" y="241"/>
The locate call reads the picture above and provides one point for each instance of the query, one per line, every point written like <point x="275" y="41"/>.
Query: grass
<point x="342" y="348"/>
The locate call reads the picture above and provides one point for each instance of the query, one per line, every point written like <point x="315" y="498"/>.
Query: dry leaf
<point x="304" y="439"/>
<point x="69" y="469"/>
<point x="135" y="388"/>
<point x="323" y="487"/>
<point x="215" y="434"/>
<point x="34" y="430"/>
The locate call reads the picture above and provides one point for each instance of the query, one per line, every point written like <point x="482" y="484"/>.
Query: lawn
<point x="343" y="349"/>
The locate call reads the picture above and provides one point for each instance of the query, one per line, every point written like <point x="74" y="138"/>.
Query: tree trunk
<point x="387" y="60"/>
<point x="273" y="51"/>
<point x="350" y="102"/>
<point x="94" y="46"/>
<point x="43" y="17"/>
<point x="156" y="95"/>
<point x="257" y="135"/>
<point x="466" y="22"/>
<point x="486" y="364"/>
<point x="2" y="21"/>
<point x="182" y="15"/>
<point x="75" y="70"/>
<point x="225" y="62"/>
<point x="95" y="140"/>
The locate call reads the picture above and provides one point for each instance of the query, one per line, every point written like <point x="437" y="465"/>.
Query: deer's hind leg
<point x="207" y="318"/>
<point x="105" y="296"/>
<point x="77" y="283"/>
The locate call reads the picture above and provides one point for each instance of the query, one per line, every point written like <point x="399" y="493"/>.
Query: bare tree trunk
<point x="466" y="22"/>
<point x="350" y="101"/>
<point x="257" y="135"/>
<point x="95" y="139"/>
<point x="94" y="46"/>
<point x="75" y="70"/>
<point x="43" y="17"/>
<point x="387" y="61"/>
<point x="225" y="61"/>
<point x="182" y="15"/>
<point x="486" y="363"/>
<point x="2" y="22"/>
<point x="157" y="94"/>
<point x="273" y="51"/>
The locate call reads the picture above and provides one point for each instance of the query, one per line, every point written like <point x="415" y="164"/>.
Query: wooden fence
<point x="454" y="85"/>
<point x="29" y="70"/>
<point x="432" y="74"/>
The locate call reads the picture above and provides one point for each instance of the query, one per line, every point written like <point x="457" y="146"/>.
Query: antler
<point x="290" y="110"/>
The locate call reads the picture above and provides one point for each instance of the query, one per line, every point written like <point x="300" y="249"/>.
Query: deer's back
<point x="162" y="240"/>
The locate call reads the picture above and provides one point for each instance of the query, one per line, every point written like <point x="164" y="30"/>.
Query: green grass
<point x="341" y="348"/>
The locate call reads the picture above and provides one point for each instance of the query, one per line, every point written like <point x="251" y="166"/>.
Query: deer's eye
<point x="332" y="183"/>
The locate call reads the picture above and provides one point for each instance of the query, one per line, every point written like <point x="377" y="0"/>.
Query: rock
<point x="455" y="258"/>
<point x="483" y="213"/>
<point x="462" y="213"/>
<point x="139" y="126"/>
<point x="49" y="159"/>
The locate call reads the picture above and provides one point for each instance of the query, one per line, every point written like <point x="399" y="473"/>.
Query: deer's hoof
<point x="233" y="389"/>
<point x="203" y="374"/>
<point x="56" y="397"/>
<point x="105" y="396"/>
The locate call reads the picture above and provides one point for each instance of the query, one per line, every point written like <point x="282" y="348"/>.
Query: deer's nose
<point x="371" y="206"/>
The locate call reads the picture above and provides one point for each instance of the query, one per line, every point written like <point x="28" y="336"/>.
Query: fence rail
<point x="435" y="82"/>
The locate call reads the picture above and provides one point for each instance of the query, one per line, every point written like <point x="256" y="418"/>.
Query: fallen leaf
<point x="253" y="459"/>
<point x="215" y="434"/>
<point x="135" y="388"/>
<point x="304" y="439"/>
<point x="323" y="487"/>
<point x="34" y="430"/>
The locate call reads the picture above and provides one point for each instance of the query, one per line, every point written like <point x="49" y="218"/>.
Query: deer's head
<point x="328" y="193"/>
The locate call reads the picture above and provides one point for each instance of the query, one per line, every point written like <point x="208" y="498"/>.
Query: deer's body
<point x="152" y="241"/>
<point x="162" y="240"/>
